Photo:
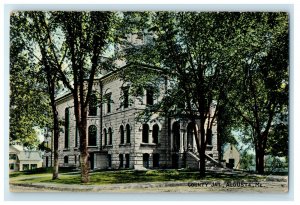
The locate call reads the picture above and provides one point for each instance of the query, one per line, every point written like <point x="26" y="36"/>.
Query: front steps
<point x="193" y="162"/>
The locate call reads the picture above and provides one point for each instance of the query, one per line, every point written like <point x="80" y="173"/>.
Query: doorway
<point x="175" y="159"/>
<point x="91" y="159"/>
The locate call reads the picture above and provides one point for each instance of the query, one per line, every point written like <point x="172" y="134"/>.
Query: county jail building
<point x="116" y="140"/>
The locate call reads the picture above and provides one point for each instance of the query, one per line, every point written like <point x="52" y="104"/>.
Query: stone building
<point x="117" y="140"/>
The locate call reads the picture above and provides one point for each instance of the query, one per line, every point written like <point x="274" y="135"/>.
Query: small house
<point x="21" y="159"/>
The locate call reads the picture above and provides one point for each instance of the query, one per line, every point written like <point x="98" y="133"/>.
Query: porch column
<point x="171" y="141"/>
<point x="181" y="141"/>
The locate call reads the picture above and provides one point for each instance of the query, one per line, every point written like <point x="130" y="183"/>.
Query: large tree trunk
<point x="260" y="153"/>
<point x="202" y="149"/>
<point x="51" y="88"/>
<point x="260" y="161"/>
<point x="55" y="141"/>
<point x="51" y="80"/>
<point x="83" y="148"/>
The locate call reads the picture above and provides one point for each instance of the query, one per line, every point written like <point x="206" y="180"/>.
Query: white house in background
<point x="22" y="160"/>
<point x="231" y="156"/>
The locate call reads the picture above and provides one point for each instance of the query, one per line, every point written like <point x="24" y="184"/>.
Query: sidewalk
<point x="270" y="184"/>
<point x="100" y="188"/>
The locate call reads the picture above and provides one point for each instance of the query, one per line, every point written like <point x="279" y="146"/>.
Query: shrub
<point x="172" y="173"/>
<point x="152" y="173"/>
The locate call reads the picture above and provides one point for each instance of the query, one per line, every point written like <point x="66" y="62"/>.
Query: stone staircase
<point x="212" y="165"/>
<point x="192" y="160"/>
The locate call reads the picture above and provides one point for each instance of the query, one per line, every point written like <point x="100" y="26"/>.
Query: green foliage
<point x="43" y="147"/>
<point x="276" y="165"/>
<point x="151" y="173"/>
<point x="226" y="125"/>
<point x="247" y="161"/>
<point x="260" y="89"/>
<point x="278" y="142"/>
<point x="29" y="102"/>
<point x="64" y="48"/>
<point x="172" y="173"/>
<point x="237" y="61"/>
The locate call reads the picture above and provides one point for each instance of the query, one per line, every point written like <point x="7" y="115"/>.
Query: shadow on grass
<point x="133" y="176"/>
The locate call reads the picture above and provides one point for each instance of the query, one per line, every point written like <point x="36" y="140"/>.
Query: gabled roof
<point x="18" y="148"/>
<point x="29" y="156"/>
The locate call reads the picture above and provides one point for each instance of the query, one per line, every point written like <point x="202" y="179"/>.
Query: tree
<point x="226" y="126"/>
<point x="29" y="102"/>
<point x="260" y="89"/>
<point x="34" y="30"/>
<point x="68" y="47"/>
<point x="86" y="37"/>
<point x="247" y="160"/>
<point x="278" y="143"/>
<point x="195" y="52"/>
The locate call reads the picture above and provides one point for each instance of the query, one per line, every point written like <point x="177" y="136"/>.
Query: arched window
<point x="146" y="160"/>
<point x="92" y="136"/>
<point x="105" y="136"/>
<point x="67" y="125"/>
<point x="155" y="130"/>
<point x="93" y="105"/>
<point x="110" y="136"/>
<point x="66" y="159"/>
<point x="127" y="133"/>
<point x="145" y="133"/>
<point x="122" y="134"/>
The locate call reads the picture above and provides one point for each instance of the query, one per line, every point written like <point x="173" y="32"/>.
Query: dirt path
<point x="179" y="187"/>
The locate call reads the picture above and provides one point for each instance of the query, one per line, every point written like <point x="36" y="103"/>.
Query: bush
<point x="42" y="170"/>
<point x="38" y="170"/>
<point x="152" y="173"/>
<point x="172" y="173"/>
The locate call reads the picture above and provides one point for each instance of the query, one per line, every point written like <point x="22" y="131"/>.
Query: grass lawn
<point x="122" y="176"/>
